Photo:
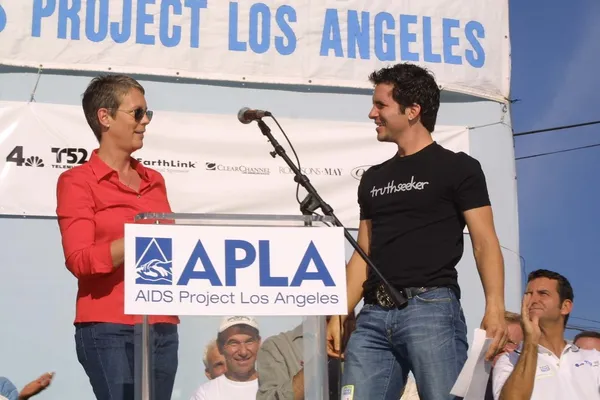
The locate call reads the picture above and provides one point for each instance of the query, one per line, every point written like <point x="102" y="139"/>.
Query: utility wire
<point x="586" y="319"/>
<point x="558" y="151"/>
<point x="581" y="328"/>
<point x="556" y="128"/>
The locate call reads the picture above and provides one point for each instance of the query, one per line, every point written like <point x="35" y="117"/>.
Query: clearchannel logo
<point x="357" y="172"/>
<point x="242" y="169"/>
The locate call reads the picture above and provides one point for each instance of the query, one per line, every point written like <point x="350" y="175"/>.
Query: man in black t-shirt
<point x="413" y="210"/>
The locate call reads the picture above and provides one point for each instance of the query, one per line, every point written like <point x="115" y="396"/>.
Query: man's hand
<point x="490" y="265"/>
<point x="334" y="336"/>
<point x="531" y="325"/>
<point x="520" y="382"/>
<point x="495" y="327"/>
<point x="35" y="387"/>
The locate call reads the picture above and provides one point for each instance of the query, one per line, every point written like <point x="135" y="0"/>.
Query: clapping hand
<point x="35" y="387"/>
<point x="531" y="324"/>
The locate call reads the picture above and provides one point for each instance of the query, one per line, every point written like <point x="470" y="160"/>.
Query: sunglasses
<point x="138" y="113"/>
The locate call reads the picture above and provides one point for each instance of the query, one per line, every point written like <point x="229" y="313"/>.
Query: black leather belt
<point x="380" y="297"/>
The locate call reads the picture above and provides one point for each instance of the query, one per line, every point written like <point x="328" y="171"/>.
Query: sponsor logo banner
<point x="211" y="163"/>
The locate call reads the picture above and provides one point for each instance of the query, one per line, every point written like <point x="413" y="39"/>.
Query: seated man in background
<point x="546" y="366"/>
<point x="280" y="364"/>
<point x="214" y="362"/>
<point x="238" y="340"/>
<point x="588" y="340"/>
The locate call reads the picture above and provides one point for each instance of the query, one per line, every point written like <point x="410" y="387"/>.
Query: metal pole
<point x="145" y="390"/>
<point x="146" y="381"/>
<point x="316" y="382"/>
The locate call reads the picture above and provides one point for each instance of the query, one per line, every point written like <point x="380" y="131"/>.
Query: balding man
<point x="214" y="361"/>
<point x="588" y="340"/>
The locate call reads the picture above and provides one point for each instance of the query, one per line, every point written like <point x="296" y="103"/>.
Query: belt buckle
<point x="383" y="298"/>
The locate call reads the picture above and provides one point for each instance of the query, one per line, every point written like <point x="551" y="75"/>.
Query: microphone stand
<point x="313" y="201"/>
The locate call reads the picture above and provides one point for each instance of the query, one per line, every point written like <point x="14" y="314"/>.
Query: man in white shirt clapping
<point x="546" y="367"/>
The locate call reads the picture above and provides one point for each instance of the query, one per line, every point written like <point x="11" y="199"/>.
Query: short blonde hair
<point x="512" y="318"/>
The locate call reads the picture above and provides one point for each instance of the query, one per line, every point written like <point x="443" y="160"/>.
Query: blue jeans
<point x="427" y="337"/>
<point x="111" y="357"/>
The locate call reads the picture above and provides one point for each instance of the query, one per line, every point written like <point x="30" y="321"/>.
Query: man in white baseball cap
<point x="228" y="322"/>
<point x="238" y="340"/>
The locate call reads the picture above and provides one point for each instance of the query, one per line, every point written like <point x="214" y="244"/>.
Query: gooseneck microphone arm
<point x="315" y="199"/>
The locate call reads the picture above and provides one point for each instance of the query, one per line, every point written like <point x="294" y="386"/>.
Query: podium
<point x="214" y="265"/>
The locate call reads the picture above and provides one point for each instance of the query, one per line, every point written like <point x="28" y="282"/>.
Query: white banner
<point x="307" y="42"/>
<point x="211" y="163"/>
<point x="224" y="270"/>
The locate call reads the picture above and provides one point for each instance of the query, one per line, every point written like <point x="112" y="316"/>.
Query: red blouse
<point x="92" y="208"/>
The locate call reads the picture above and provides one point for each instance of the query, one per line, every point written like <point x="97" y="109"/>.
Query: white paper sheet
<point x="472" y="381"/>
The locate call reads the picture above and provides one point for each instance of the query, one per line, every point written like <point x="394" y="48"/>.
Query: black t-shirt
<point x="415" y="204"/>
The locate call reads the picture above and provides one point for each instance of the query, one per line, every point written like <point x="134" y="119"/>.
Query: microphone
<point x="247" y="115"/>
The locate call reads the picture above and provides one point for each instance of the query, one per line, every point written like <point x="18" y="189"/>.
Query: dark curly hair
<point x="412" y="85"/>
<point x="587" y="334"/>
<point x="563" y="286"/>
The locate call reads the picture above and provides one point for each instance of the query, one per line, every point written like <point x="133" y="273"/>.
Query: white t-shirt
<point x="222" y="388"/>
<point x="573" y="376"/>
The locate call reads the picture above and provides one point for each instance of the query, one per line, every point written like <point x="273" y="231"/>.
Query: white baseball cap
<point x="228" y="322"/>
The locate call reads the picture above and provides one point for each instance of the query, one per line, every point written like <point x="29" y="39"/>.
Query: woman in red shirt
<point x="94" y="201"/>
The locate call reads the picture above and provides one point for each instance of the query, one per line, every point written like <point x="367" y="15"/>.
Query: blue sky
<point x="556" y="76"/>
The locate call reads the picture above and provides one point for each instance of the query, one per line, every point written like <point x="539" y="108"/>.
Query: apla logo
<point x="153" y="263"/>
<point x="154" y="260"/>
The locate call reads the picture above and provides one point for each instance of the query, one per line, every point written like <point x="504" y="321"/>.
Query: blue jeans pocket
<point x="439" y="295"/>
